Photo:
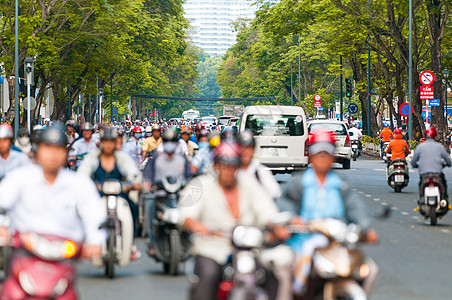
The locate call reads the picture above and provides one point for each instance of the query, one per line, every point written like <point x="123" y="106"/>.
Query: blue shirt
<point x="15" y="160"/>
<point x="319" y="202"/>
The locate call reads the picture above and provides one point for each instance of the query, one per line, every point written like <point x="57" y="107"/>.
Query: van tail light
<point x="306" y="144"/>
<point x="347" y="141"/>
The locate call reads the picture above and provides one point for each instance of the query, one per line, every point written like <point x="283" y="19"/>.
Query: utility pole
<point x="89" y="109"/>
<point x="299" y="72"/>
<point x="16" y="69"/>
<point x="111" y="101"/>
<point x="342" y="104"/>
<point x="291" y="87"/>
<point x="96" y="119"/>
<point x="410" y="73"/>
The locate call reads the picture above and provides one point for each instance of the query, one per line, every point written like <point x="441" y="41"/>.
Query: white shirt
<point x="133" y="148"/>
<point x="70" y="207"/>
<point x="81" y="146"/>
<point x="356" y="134"/>
<point x="264" y="177"/>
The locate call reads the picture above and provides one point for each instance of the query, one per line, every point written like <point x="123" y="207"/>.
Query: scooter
<point x="342" y="266"/>
<point x="42" y="268"/>
<point x="119" y="224"/>
<point x="355" y="149"/>
<point x="170" y="243"/>
<point x="433" y="203"/>
<point x="385" y="156"/>
<point x="398" y="176"/>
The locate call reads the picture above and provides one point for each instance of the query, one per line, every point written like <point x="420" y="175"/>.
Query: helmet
<point x="108" y="133"/>
<point x="6" y="131"/>
<point x="385" y="125"/>
<point x="228" y="134"/>
<point x="185" y="130"/>
<point x="227" y="153"/>
<point x="246" y="138"/>
<point x="214" y="139"/>
<point x="203" y="133"/>
<point x="70" y="123"/>
<point x="170" y="135"/>
<point x="431" y="133"/>
<point x="397" y="131"/>
<point x="53" y="136"/>
<point x="148" y="129"/>
<point x="38" y="127"/>
<point x="322" y="141"/>
<point x="23" y="131"/>
<point x="198" y="126"/>
<point x="47" y="120"/>
<point x="156" y="127"/>
<point x="87" y="126"/>
<point x="136" y="129"/>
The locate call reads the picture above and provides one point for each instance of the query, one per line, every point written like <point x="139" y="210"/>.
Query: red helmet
<point x="322" y="136"/>
<point x="397" y="131"/>
<point x="431" y="133"/>
<point x="198" y="126"/>
<point x="136" y="129"/>
<point x="227" y="153"/>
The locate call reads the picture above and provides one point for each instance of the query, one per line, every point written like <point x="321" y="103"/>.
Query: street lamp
<point x="446" y="76"/>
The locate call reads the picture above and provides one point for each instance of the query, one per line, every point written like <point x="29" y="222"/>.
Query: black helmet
<point x="23" y="131"/>
<point x="53" y="136"/>
<point x="108" y="133"/>
<point x="228" y="134"/>
<point x="170" y="135"/>
<point x="246" y="138"/>
<point x="87" y="126"/>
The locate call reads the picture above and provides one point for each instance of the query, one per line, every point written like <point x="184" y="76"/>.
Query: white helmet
<point x="149" y="129"/>
<point x="6" y="131"/>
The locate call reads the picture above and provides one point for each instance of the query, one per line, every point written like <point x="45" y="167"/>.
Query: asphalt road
<point x="414" y="258"/>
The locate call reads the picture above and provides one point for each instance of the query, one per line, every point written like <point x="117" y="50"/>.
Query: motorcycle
<point x="385" y="156"/>
<point x="433" y="203"/>
<point x="342" y="266"/>
<point x="355" y="149"/>
<point x="119" y="224"/>
<point x="42" y="267"/>
<point x="72" y="161"/>
<point x="171" y="244"/>
<point x="398" y="176"/>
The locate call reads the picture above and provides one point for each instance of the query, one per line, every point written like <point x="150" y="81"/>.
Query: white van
<point x="281" y="135"/>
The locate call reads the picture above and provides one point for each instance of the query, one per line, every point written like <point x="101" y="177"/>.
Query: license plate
<point x="354" y="146"/>
<point x="399" y="178"/>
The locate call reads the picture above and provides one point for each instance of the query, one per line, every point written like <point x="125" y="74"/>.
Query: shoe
<point x="136" y="254"/>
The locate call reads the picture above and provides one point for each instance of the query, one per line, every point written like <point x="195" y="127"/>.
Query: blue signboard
<point x="115" y="110"/>
<point x="353" y="108"/>
<point x="320" y="108"/>
<point x="434" y="102"/>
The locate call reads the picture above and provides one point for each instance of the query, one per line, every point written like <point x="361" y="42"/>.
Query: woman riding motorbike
<point x="107" y="163"/>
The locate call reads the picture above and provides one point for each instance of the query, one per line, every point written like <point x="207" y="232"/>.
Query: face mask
<point x="24" y="140"/>
<point x="204" y="145"/>
<point x="138" y="135"/>
<point x="169" y="147"/>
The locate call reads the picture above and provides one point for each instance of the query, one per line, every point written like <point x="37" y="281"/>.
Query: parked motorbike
<point x="170" y="243"/>
<point x="342" y="266"/>
<point x="119" y="224"/>
<point x="355" y="149"/>
<point x="42" y="268"/>
<point x="433" y="203"/>
<point x="397" y="173"/>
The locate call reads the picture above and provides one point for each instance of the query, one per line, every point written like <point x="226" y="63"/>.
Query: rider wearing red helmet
<point x="319" y="193"/>
<point x="398" y="146"/>
<point x="429" y="157"/>
<point x="133" y="145"/>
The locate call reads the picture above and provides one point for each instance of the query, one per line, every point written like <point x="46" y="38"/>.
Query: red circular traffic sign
<point x="427" y="78"/>
<point x="404" y="109"/>
<point x="317" y="97"/>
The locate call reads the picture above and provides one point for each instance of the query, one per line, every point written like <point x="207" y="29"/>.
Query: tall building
<point x="211" y="22"/>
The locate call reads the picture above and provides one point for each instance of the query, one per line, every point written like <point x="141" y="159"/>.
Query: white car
<point x="343" y="144"/>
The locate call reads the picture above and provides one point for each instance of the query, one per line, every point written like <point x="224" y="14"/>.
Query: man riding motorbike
<point x="151" y="143"/>
<point x="251" y="166"/>
<point x="202" y="161"/>
<point x="23" y="141"/>
<point x="318" y="194"/>
<point x="9" y="159"/>
<point x="398" y="147"/>
<point x="55" y="202"/>
<point x="355" y="135"/>
<point x="429" y="156"/>
<point x="191" y="147"/>
<point x="72" y="136"/>
<point x="84" y="145"/>
<point x="385" y="135"/>
<point x="107" y="163"/>
<point x="133" y="146"/>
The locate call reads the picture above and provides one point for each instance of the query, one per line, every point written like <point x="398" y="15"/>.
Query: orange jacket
<point x="386" y="133"/>
<point x="398" y="146"/>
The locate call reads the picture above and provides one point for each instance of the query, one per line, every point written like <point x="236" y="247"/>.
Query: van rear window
<point x="338" y="129"/>
<point x="275" y="125"/>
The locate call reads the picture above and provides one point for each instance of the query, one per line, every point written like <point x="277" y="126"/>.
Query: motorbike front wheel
<point x="110" y="261"/>
<point x="433" y="216"/>
<point x="175" y="253"/>
<point x="355" y="155"/>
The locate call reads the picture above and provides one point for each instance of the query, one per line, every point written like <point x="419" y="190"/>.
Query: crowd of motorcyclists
<point x="223" y="186"/>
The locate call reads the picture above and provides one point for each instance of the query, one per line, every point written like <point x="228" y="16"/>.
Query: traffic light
<point x="348" y="87"/>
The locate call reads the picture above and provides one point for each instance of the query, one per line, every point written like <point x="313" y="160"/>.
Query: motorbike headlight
<point x="247" y="237"/>
<point x="246" y="263"/>
<point x="323" y="266"/>
<point x="171" y="215"/>
<point x="111" y="188"/>
<point x="27" y="283"/>
<point x="60" y="287"/>
<point x="111" y="202"/>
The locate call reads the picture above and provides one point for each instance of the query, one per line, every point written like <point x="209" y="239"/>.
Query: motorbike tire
<point x="175" y="252"/>
<point x="397" y="189"/>
<point x="433" y="216"/>
<point x="110" y="261"/>
<point x="355" y="156"/>
<point x="7" y="253"/>
<point x="346" y="164"/>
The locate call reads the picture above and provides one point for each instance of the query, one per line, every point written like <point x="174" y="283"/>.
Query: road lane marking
<point x="415" y="218"/>
<point x="381" y="170"/>
<point x="368" y="196"/>
<point x="405" y="213"/>
<point x="376" y="199"/>
<point x="384" y="203"/>
<point x="394" y="208"/>
<point x="445" y="230"/>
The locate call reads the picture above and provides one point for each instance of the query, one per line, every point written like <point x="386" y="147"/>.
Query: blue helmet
<point x="385" y="125"/>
